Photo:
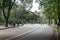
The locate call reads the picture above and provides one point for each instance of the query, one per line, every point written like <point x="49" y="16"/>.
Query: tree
<point x="51" y="8"/>
<point x="58" y="10"/>
<point x="7" y="6"/>
<point x="22" y="10"/>
<point x="25" y="15"/>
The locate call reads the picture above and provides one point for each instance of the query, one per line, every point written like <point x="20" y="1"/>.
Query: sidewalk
<point x="3" y="27"/>
<point x="11" y="32"/>
<point x="55" y="33"/>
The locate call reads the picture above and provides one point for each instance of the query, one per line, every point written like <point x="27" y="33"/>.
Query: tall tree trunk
<point x="7" y="17"/>
<point x="49" y="20"/>
<point x="55" y="20"/>
<point x="59" y="21"/>
<point x="58" y="10"/>
<point x="0" y="16"/>
<point x="6" y="25"/>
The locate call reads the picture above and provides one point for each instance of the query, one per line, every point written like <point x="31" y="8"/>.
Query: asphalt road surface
<point x="44" y="32"/>
<point x="11" y="32"/>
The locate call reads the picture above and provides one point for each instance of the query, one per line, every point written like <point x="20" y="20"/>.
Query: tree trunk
<point x="55" y="20"/>
<point x="7" y="17"/>
<point x="0" y="16"/>
<point x="49" y="20"/>
<point x="58" y="10"/>
<point x="6" y="25"/>
<point x="59" y="21"/>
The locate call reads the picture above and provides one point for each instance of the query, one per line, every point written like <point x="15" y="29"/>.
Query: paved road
<point x="44" y="32"/>
<point x="8" y="33"/>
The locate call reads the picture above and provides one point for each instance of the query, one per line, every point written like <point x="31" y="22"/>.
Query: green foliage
<point x="21" y="14"/>
<point x="50" y="7"/>
<point x="14" y="12"/>
<point x="0" y="4"/>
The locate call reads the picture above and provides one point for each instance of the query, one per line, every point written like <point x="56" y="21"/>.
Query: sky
<point x="35" y="6"/>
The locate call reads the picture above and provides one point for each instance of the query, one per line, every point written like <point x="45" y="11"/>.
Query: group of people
<point x="14" y="24"/>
